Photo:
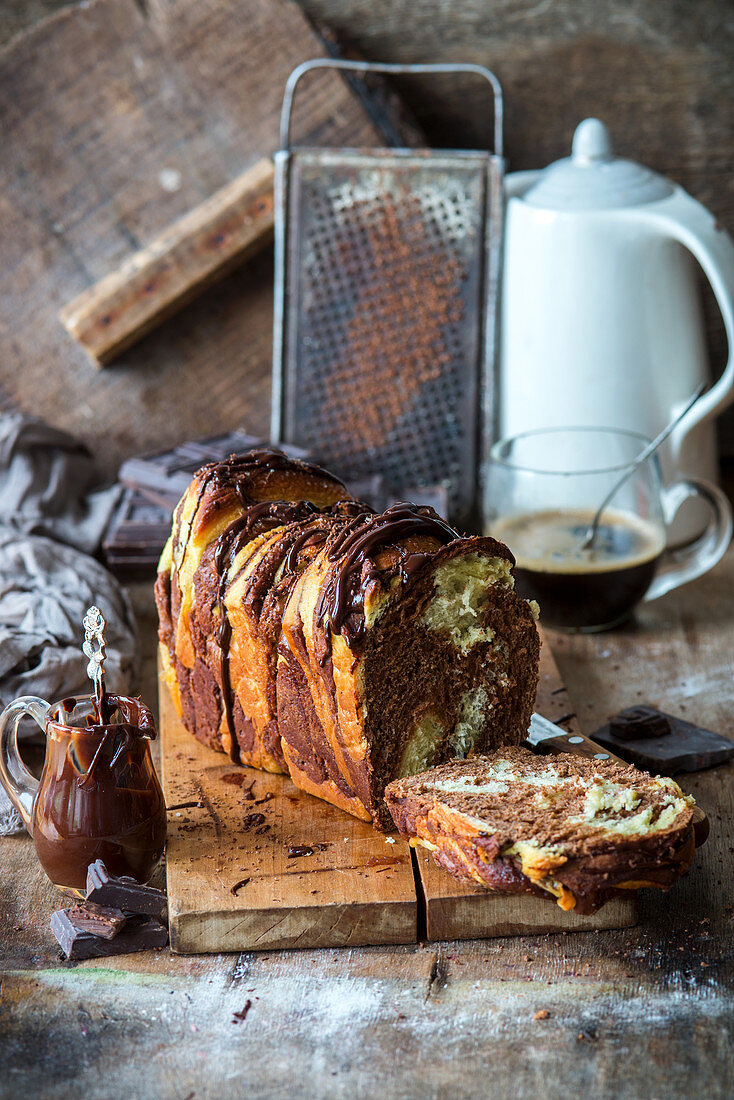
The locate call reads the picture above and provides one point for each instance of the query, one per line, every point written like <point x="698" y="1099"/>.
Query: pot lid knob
<point x="591" y="142"/>
<point x="592" y="178"/>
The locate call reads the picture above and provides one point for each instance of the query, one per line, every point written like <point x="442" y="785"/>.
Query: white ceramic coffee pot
<point x="601" y="319"/>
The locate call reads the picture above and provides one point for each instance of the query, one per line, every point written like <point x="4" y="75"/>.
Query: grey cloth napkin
<point x="45" y="590"/>
<point x="49" y="484"/>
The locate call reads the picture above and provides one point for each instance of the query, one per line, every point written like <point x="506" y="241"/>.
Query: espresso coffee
<point x="579" y="589"/>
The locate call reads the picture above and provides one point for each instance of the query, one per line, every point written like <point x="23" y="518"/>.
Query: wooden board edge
<point x="471" y="915"/>
<point x="326" y="926"/>
<point x="477" y="916"/>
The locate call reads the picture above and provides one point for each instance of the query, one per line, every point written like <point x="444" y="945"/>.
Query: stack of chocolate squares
<point x="152" y="487"/>
<point x="118" y="916"/>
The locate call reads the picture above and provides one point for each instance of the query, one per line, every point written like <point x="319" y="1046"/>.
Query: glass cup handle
<point x="687" y="563"/>
<point x="20" y="785"/>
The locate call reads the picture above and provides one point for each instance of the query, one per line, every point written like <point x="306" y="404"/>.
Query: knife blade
<point x="548" y="737"/>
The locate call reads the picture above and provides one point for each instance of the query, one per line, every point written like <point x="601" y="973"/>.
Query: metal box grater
<point x="386" y="283"/>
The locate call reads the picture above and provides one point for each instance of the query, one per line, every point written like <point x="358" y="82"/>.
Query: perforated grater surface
<point x="386" y="279"/>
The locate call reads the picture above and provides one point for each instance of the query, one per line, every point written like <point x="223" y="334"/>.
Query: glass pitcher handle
<point x="680" y="566"/>
<point x="20" y="785"/>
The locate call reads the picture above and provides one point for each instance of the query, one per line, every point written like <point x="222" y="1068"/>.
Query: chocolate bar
<point x="98" y="920"/>
<point x="685" y="748"/>
<point x="153" y="485"/>
<point x="138" y="934"/>
<point x="136" y="534"/>
<point x="168" y="473"/>
<point x="123" y="893"/>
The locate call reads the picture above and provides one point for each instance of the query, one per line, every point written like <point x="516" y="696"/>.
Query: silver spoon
<point x="593" y="529"/>
<point x="95" y="648"/>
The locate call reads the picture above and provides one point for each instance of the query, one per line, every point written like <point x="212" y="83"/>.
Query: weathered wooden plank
<point x="352" y="886"/>
<point x="431" y="1025"/>
<point x="118" y="118"/>
<point x="196" y="251"/>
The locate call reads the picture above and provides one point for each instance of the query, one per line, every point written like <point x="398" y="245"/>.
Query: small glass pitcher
<point x="98" y="796"/>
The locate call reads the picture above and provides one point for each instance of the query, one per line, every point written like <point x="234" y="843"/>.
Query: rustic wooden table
<point x="644" y="1012"/>
<point x="641" y="1012"/>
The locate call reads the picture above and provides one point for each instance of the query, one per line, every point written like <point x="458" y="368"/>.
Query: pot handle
<point x="680" y="566"/>
<point x="20" y="785"/>
<point x="687" y="221"/>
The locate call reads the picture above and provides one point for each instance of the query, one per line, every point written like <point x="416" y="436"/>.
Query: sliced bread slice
<point x="565" y="827"/>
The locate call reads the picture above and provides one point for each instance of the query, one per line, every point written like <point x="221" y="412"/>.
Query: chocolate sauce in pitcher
<point x="99" y="796"/>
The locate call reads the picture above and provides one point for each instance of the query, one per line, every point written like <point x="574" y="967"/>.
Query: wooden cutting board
<point x="236" y="880"/>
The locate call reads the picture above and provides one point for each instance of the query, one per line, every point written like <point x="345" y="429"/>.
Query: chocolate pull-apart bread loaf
<point x="578" y="830"/>
<point x="301" y="632"/>
<point x="403" y="646"/>
<point x="221" y="521"/>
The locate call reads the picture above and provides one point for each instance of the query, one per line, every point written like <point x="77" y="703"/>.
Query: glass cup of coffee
<point x="543" y="489"/>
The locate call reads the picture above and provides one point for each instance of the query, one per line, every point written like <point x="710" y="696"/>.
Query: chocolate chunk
<point x="100" y="921"/>
<point x="687" y="748"/>
<point x="123" y="892"/>
<point x="139" y="934"/>
<point x="136" y="533"/>
<point x="236" y="779"/>
<point x="639" y="723"/>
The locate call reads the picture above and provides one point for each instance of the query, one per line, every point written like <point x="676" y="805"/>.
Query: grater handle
<point x="393" y="70"/>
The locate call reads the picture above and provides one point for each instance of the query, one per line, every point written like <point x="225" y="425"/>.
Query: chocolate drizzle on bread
<point x="301" y="632"/>
<point x="577" y="830"/>
<point x="342" y="599"/>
